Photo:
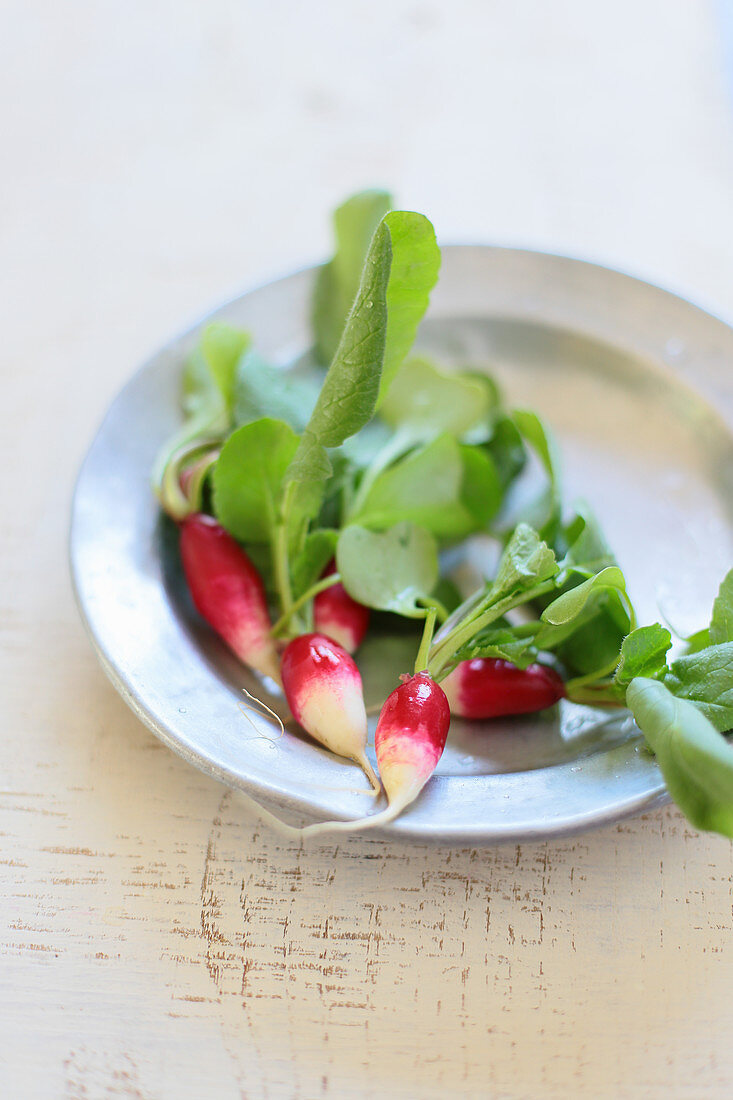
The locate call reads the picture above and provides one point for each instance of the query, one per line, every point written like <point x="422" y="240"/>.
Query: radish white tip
<point x="320" y="827"/>
<point x="373" y="821"/>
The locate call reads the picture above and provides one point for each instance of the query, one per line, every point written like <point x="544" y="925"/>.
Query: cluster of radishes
<point x="356" y="480"/>
<point x="322" y="683"/>
<point x="267" y="478"/>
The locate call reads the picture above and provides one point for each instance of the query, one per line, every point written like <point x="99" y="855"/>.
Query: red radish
<point x="411" y="735"/>
<point x="337" y="616"/>
<point x="228" y="592"/>
<point x="487" y="687"/>
<point x="410" y="738"/>
<point x="323" y="688"/>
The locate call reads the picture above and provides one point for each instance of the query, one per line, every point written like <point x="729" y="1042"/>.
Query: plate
<point x="637" y="385"/>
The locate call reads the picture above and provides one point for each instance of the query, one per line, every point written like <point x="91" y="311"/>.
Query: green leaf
<point x="697" y="641"/>
<point x="413" y="274"/>
<point x="506" y="643"/>
<point x="202" y="400"/>
<point x="222" y="347"/>
<point x="481" y="490"/>
<point x="706" y="679"/>
<point x="334" y="494"/>
<point x="261" y="390"/>
<point x="318" y="549"/>
<point x="594" y="636"/>
<point x="526" y="567"/>
<point x="552" y="637"/>
<point x="338" y="281"/>
<point x="644" y="653"/>
<point x="595" y="645"/>
<point x="248" y="478"/>
<point x="540" y="439"/>
<point x="586" y="543"/>
<point x="391" y="571"/>
<point x="721" y="624"/>
<point x="448" y="489"/>
<point x="207" y="408"/>
<point x="696" y="762"/>
<point x="526" y="561"/>
<point x="569" y="605"/>
<point x="506" y="449"/>
<point x="399" y="272"/>
<point x="208" y="376"/>
<point x="424" y="402"/>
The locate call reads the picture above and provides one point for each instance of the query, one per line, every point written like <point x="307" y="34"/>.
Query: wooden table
<point x="157" y="941"/>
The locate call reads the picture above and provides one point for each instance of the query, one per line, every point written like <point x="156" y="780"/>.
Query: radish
<point x="410" y="738"/>
<point x="487" y="687"/>
<point x="228" y="592"/>
<point x="323" y="688"/>
<point x="338" y="616"/>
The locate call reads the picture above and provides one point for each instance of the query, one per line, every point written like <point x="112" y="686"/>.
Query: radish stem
<point x="421" y="661"/>
<point x="441" y="610"/>
<point x="313" y="591"/>
<point x="592" y="677"/>
<point x="445" y="647"/>
<point x="280" y="562"/>
<point x="166" y="484"/>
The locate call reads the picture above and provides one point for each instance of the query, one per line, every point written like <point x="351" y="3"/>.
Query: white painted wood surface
<point x="157" y="942"/>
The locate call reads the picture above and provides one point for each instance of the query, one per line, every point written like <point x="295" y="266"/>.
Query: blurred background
<point x="161" y="156"/>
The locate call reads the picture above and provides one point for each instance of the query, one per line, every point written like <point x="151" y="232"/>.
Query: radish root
<point x="364" y="764"/>
<point x="320" y="828"/>
<point x="252" y="706"/>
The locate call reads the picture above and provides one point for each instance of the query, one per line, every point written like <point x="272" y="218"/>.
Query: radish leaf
<point x="399" y="272"/>
<point x="449" y="490"/>
<point x="568" y="605"/>
<point x="721" y="624"/>
<point x="506" y="449"/>
<point x="526" y="561"/>
<point x="504" y="642"/>
<point x="262" y="390"/>
<point x="706" y="679"/>
<point x="696" y="761"/>
<point x="390" y="571"/>
<point x="423" y="402"/>
<point x="480" y="487"/>
<point x="594" y="642"/>
<point x="644" y="653"/>
<point x="221" y="349"/>
<point x="318" y="549"/>
<point x="338" y="281"/>
<point x="586" y="544"/>
<point x="208" y="380"/>
<point x="248" y="478"/>
<point x="545" y="512"/>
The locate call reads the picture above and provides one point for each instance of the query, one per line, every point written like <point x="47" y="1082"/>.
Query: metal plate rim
<point x="410" y="826"/>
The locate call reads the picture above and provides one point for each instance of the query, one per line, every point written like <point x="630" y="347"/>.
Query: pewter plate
<point x="638" y="386"/>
